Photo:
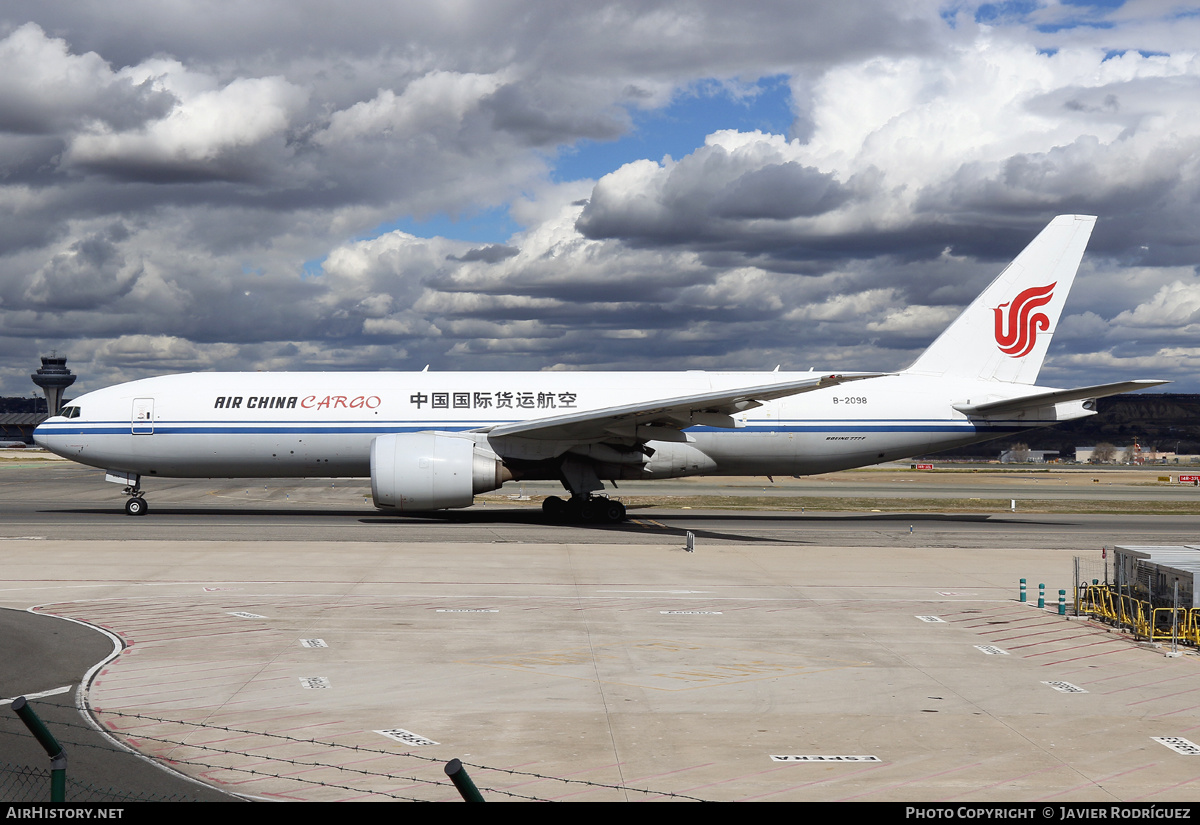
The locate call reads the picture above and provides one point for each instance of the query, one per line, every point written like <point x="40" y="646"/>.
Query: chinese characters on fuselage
<point x="494" y="400"/>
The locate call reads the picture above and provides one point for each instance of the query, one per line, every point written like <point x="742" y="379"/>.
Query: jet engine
<point x="417" y="472"/>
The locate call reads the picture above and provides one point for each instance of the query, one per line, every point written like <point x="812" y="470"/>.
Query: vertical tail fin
<point x="1003" y="335"/>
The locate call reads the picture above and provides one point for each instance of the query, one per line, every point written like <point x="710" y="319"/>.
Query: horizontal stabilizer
<point x="1046" y="399"/>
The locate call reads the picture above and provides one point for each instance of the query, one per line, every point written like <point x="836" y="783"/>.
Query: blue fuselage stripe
<point x="347" y="428"/>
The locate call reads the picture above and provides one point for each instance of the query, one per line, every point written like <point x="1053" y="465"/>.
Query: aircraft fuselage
<point x="322" y="424"/>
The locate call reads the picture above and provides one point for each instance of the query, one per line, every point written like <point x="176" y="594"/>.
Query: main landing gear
<point x="136" y="505"/>
<point x="585" y="509"/>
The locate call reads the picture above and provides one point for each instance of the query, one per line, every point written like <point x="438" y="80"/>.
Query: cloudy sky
<point x="499" y="184"/>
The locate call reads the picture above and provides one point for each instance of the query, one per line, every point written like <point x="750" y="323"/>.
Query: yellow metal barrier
<point x="1160" y="624"/>
<point x="1105" y="603"/>
<point x="1191" y="626"/>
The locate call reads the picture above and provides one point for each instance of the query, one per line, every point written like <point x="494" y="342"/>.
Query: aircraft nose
<point x="46" y="437"/>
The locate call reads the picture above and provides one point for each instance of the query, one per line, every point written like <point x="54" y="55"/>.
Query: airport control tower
<point x="53" y="378"/>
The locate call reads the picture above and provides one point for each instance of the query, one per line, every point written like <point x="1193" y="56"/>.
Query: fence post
<point x="1175" y="620"/>
<point x="458" y="775"/>
<point x="58" y="756"/>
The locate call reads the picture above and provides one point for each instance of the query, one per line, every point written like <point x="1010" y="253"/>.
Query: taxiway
<point x="294" y="644"/>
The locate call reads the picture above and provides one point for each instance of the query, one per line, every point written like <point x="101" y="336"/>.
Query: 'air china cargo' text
<point x="308" y="402"/>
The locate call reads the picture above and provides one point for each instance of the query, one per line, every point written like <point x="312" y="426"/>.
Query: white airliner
<point x="430" y="441"/>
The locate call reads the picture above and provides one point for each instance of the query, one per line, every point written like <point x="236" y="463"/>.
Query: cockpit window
<point x="70" y="412"/>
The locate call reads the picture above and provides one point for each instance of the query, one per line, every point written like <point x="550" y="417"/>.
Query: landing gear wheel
<point x="614" y="511"/>
<point x="571" y="509"/>
<point x="590" y="510"/>
<point x="136" y="506"/>
<point x="580" y="510"/>
<point x="554" y="508"/>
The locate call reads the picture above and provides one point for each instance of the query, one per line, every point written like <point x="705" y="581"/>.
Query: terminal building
<point x="18" y="417"/>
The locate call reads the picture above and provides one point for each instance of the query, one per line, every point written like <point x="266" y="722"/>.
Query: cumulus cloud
<point x="90" y="273"/>
<point x="735" y="187"/>
<point x="185" y="191"/>
<point x="915" y="321"/>
<point x="429" y="107"/>
<point x="1175" y="305"/>
<point x="207" y="134"/>
<point x="902" y="147"/>
<point x="45" y="88"/>
<point x="159" y="352"/>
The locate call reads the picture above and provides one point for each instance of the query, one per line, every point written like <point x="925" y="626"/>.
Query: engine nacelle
<point x="417" y="472"/>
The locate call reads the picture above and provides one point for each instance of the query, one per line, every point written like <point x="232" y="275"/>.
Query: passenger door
<point x="142" y="419"/>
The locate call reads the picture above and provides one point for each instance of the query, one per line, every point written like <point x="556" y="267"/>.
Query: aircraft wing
<point x="663" y="419"/>
<point x="1047" y="399"/>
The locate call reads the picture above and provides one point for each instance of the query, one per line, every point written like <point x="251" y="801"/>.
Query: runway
<point x="792" y="656"/>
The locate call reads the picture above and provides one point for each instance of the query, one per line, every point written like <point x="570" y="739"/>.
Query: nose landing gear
<point x="136" y="504"/>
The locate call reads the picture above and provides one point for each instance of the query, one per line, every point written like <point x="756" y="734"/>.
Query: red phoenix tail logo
<point x="1023" y="323"/>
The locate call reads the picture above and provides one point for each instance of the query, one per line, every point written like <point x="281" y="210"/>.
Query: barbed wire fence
<point x="214" y="758"/>
<point x="22" y="783"/>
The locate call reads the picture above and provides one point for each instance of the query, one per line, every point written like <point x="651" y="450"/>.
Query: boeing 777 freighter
<point x="430" y="441"/>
